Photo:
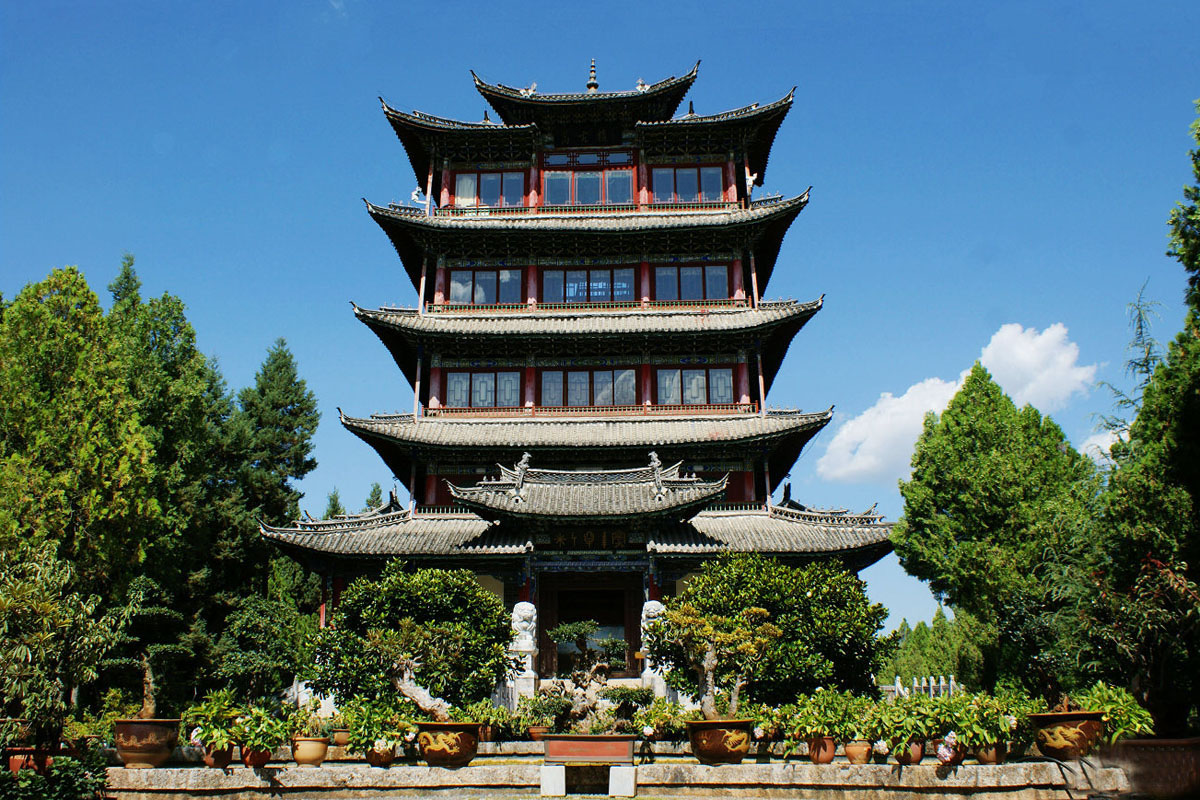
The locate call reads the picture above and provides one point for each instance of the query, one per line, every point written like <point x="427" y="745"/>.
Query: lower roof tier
<point x="858" y="539"/>
<point x="404" y="441"/>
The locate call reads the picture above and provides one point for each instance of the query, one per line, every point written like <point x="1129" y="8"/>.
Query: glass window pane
<point x="600" y="285"/>
<point x="577" y="389"/>
<point x="619" y="158"/>
<point x="508" y="389"/>
<point x="668" y="387"/>
<point x="458" y="385"/>
<point x="558" y="188"/>
<point x="514" y="188"/>
<point x="666" y="283"/>
<point x="624" y="387"/>
<point x="552" y="386"/>
<point x="620" y="186"/>
<point x="587" y="188"/>
<point x="711" y="184"/>
<point x="557" y="159"/>
<point x="489" y="189"/>
<point x="510" y="286"/>
<point x="460" y="286"/>
<point x="623" y="289"/>
<point x="693" y="387"/>
<point x="575" y="290"/>
<point x="720" y="386"/>
<point x="602" y="385"/>
<point x="716" y="282"/>
<point x="685" y="185"/>
<point x="663" y="181"/>
<point x="588" y="158"/>
<point x="485" y="288"/>
<point x="552" y="286"/>
<point x="464" y="190"/>
<point x="691" y="283"/>
<point x="483" y="389"/>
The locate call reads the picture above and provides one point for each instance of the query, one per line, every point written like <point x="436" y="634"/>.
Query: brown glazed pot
<point x="219" y="759"/>
<point x="910" y="752"/>
<point x="380" y="758"/>
<point x="822" y="749"/>
<point x="720" y="741"/>
<point x="991" y="753"/>
<point x="255" y="758"/>
<point x="340" y="737"/>
<point x="309" y="751"/>
<point x="146" y="743"/>
<point x="858" y="752"/>
<point x="448" y="744"/>
<point x="38" y="759"/>
<point x="536" y="732"/>
<point x="1067" y="735"/>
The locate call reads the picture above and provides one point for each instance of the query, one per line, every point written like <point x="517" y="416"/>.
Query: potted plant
<point x="151" y="645"/>
<point x="259" y="730"/>
<point x="908" y="722"/>
<point x="1123" y="716"/>
<point x="376" y="729"/>
<point x="543" y="712"/>
<point x="984" y="726"/>
<point x="860" y="729"/>
<point x="496" y="722"/>
<point x="310" y="734"/>
<point x="1067" y="732"/>
<point x="662" y="720"/>
<point x="1022" y="708"/>
<point x="626" y="701"/>
<point x="949" y="712"/>
<point x="817" y="720"/>
<point x="212" y="726"/>
<point x="339" y="731"/>
<point x="592" y="737"/>
<point x="723" y="652"/>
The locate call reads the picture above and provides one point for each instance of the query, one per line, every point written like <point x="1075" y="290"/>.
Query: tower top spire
<point x="592" y="85"/>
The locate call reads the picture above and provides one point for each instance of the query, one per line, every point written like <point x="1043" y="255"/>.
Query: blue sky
<point x="989" y="180"/>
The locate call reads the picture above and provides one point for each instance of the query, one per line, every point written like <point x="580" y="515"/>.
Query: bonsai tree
<point x="433" y="636"/>
<point x="150" y="641"/>
<point x="722" y="651"/>
<point x="589" y="668"/>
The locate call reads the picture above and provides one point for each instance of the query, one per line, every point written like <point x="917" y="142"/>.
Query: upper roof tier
<point x="556" y="497"/>
<point x="646" y="103"/>
<point x="859" y="540"/>
<point x="746" y="132"/>
<point x="529" y="238"/>
<point x="489" y="333"/>
<point x="403" y="440"/>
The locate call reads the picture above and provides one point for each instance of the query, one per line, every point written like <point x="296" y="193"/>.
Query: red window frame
<point x="478" y="173"/>
<point x="732" y="367"/>
<point x="472" y="371"/>
<point x="637" y="384"/>
<point x="602" y="165"/>
<point x="728" y="280"/>
<point x="521" y="298"/>
<point x="541" y="286"/>
<point x="699" y="190"/>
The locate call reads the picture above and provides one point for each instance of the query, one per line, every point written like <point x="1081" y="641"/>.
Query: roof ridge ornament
<point x="656" y="470"/>
<point x="522" y="469"/>
<point x="593" y="85"/>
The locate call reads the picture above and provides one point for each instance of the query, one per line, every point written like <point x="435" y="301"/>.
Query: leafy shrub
<point x="627" y="700"/>
<point x="263" y="647"/>
<point x="829" y="627"/>
<point x="262" y="727"/>
<point x="550" y="706"/>
<point x="378" y="724"/>
<point x="453" y="631"/>
<point x="661" y="720"/>
<point x="82" y="778"/>
<point x="211" y="722"/>
<point x="1124" y="717"/>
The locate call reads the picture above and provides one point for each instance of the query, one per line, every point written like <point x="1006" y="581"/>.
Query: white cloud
<point x="1097" y="445"/>
<point x="878" y="443"/>
<point x="1037" y="368"/>
<point x="1032" y="367"/>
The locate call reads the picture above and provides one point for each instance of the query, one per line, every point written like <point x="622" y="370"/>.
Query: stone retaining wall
<point x="348" y="781"/>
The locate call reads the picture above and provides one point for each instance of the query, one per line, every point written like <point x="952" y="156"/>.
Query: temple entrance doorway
<point x="613" y="600"/>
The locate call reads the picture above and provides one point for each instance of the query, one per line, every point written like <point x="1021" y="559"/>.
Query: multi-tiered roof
<point x="587" y="495"/>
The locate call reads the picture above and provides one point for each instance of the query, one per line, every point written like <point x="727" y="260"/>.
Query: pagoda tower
<point x="590" y="357"/>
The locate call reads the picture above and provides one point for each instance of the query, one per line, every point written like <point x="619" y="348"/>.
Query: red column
<point x="339" y="583"/>
<point x="435" y="387"/>
<point x="739" y="282"/>
<point x="644" y="281"/>
<point x="754" y="279"/>
<point x="439" y="285"/>
<point x="748" y="485"/>
<point x="531" y="285"/>
<point x="647" y="394"/>
<point x="730" y="181"/>
<point x="643" y="187"/>
<point x="430" y="496"/>
<point x="653" y="592"/>
<point x="324" y="600"/>
<point x="530" y="380"/>
<point x="444" y="202"/>
<point x="743" y="382"/>
<point x="532" y="192"/>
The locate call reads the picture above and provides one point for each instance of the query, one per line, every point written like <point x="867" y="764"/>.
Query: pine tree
<point x="375" y="498"/>
<point x="334" y="507"/>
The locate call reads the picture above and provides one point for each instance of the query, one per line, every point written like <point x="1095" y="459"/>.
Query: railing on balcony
<point x="593" y="208"/>
<point x="565" y="411"/>
<point x="617" y="305"/>
<point x="439" y="511"/>
<point x="737" y="507"/>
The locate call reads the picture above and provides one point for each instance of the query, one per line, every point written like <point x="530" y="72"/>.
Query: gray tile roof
<point x="400" y="534"/>
<point x="591" y="495"/>
<point x="778" y="530"/>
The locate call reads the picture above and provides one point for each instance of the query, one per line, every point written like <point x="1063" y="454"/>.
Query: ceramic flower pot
<point x="340" y="737"/>
<point x="145" y="743"/>
<point x="536" y="732"/>
<point x="720" y="741"/>
<point x="309" y="751"/>
<point x="218" y="758"/>
<point x="910" y="752"/>
<point x="381" y="756"/>
<point x="858" y="752"/>
<point x="255" y="758"/>
<point x="448" y="744"/>
<point x="1067" y="735"/>
<point x="991" y="753"/>
<point x="822" y="749"/>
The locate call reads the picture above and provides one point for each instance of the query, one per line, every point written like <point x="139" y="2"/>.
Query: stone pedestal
<point x="622" y="781"/>
<point x="554" y="781"/>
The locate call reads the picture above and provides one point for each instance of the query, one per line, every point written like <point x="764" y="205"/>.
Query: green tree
<point x="943" y="648"/>
<point x="76" y="462"/>
<point x="1185" y="224"/>
<point x="264" y="646"/>
<point x="374" y="498"/>
<point x="829" y="629"/>
<point x="334" y="507"/>
<point x="150" y="645"/>
<point x="996" y="492"/>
